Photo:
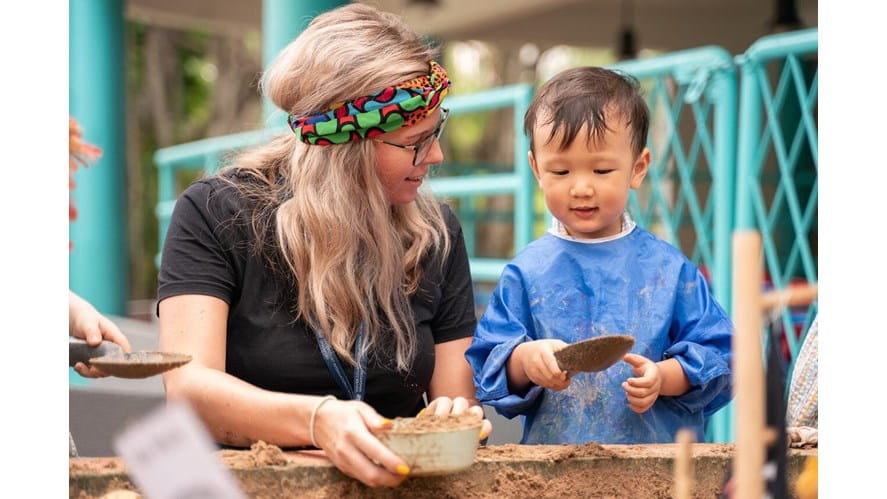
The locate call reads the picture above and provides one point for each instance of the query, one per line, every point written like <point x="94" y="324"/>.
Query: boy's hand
<point x="539" y="364"/>
<point x="642" y="391"/>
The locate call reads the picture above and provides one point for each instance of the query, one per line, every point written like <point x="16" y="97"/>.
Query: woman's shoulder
<point x="206" y="187"/>
<point x="221" y="202"/>
<point x="220" y="193"/>
<point x="453" y="225"/>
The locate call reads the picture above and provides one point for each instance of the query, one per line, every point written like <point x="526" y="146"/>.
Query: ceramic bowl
<point x="433" y="452"/>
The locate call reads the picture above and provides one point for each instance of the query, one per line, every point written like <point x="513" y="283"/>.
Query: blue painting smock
<point x="633" y="283"/>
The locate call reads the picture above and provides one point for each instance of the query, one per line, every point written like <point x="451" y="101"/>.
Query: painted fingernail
<point x="420" y="413"/>
<point x="483" y="434"/>
<point x="385" y="422"/>
<point x="402" y="469"/>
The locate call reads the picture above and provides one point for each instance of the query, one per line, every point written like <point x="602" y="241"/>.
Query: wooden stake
<point x="791" y="296"/>
<point x="748" y="369"/>
<point x="683" y="464"/>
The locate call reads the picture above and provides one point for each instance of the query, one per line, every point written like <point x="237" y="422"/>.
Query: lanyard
<point x="356" y="391"/>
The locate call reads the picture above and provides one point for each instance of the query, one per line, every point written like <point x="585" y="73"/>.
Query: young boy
<point x="595" y="273"/>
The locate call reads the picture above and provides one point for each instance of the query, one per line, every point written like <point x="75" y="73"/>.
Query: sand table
<point x="588" y="470"/>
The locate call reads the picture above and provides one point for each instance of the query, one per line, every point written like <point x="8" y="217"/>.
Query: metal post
<point x="721" y="424"/>
<point x="724" y="88"/>
<point x="98" y="261"/>
<point x="749" y="144"/>
<point x="282" y="21"/>
<point x="523" y="197"/>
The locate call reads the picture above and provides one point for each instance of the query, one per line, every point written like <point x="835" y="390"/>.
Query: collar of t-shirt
<point x="628" y="225"/>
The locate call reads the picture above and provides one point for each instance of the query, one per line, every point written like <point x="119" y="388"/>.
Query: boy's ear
<point x="533" y="165"/>
<point x="639" y="170"/>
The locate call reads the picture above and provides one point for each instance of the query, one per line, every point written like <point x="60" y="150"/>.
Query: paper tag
<point x="170" y="454"/>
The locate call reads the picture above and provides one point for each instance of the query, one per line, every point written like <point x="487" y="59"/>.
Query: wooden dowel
<point x="683" y="464"/>
<point x="748" y="370"/>
<point x="792" y="296"/>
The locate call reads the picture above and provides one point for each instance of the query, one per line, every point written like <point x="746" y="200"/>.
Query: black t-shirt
<point x="208" y="252"/>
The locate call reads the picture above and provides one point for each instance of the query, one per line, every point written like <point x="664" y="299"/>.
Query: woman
<point x="313" y="266"/>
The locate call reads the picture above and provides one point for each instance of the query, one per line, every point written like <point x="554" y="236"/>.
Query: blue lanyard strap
<point x="358" y="390"/>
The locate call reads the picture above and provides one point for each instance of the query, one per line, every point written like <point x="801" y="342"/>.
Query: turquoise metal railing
<point x="519" y="181"/>
<point x="687" y="197"/>
<point x="778" y="162"/>
<point x="204" y="156"/>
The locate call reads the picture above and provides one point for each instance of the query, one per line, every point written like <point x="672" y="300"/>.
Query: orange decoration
<point x="79" y="154"/>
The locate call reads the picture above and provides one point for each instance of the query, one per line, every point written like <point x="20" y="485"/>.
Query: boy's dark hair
<point x="583" y="96"/>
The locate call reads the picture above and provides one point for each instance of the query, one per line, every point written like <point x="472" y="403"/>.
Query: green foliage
<point x="195" y="113"/>
<point x="465" y="131"/>
<point x="196" y="88"/>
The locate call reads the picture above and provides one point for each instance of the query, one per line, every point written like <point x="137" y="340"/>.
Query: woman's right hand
<point x="343" y="429"/>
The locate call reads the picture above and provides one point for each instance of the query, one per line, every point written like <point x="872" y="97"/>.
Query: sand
<point x="506" y="471"/>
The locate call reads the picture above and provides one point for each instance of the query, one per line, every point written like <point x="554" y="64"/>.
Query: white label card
<point x="169" y="454"/>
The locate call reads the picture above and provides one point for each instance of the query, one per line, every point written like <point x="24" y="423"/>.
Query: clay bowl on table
<point x="434" y="445"/>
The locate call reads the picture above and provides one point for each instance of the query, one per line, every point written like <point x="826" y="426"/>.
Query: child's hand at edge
<point x="536" y="361"/>
<point x="86" y="322"/>
<point x="643" y="390"/>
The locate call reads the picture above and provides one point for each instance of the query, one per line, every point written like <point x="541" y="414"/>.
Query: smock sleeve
<point x="701" y="341"/>
<point x="506" y="323"/>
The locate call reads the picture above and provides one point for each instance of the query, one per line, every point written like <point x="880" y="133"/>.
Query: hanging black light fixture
<point x="627" y="40"/>
<point x="785" y="16"/>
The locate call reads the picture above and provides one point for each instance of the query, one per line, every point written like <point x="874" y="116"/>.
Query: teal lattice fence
<point x="777" y="191"/>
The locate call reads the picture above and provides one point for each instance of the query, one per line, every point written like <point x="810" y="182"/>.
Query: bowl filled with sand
<point x="434" y="445"/>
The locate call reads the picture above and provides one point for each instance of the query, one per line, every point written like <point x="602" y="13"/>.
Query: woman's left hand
<point x="442" y="406"/>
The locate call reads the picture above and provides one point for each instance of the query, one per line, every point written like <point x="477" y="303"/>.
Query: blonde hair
<point x="354" y="257"/>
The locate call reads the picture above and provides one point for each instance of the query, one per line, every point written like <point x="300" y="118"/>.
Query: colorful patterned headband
<point x="404" y="104"/>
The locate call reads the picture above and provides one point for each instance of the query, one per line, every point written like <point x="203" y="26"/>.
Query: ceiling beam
<point x="232" y="17"/>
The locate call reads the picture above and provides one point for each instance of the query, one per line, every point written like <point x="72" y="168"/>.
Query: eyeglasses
<point x="420" y="149"/>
